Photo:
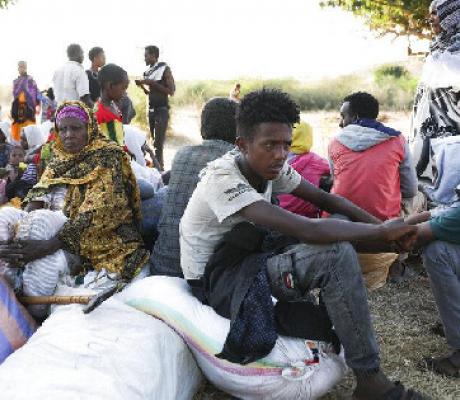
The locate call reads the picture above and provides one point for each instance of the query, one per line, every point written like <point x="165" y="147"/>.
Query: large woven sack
<point x="113" y="353"/>
<point x="295" y="369"/>
<point x="375" y="268"/>
<point x="41" y="276"/>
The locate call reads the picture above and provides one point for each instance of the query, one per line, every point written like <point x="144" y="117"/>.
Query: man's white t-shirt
<point x="213" y="208"/>
<point x="70" y="82"/>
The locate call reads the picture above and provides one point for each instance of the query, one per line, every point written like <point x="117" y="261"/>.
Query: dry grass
<point x="403" y="315"/>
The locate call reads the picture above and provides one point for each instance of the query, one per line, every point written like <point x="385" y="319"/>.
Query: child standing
<point x="114" y="82"/>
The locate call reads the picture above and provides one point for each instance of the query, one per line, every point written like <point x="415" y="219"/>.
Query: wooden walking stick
<point x="39" y="300"/>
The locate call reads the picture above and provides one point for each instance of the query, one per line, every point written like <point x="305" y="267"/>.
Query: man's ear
<point x="242" y="144"/>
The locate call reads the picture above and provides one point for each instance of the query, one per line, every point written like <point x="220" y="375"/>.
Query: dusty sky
<point x="200" y="39"/>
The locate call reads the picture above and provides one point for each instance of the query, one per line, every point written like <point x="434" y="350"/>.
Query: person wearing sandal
<point x="441" y="257"/>
<point x="234" y="194"/>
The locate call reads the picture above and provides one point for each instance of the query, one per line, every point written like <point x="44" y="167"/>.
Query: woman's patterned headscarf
<point x="72" y="111"/>
<point x="448" y="12"/>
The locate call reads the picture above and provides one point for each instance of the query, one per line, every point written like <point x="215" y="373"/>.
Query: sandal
<point x="443" y="366"/>
<point x="400" y="272"/>
<point x="438" y="329"/>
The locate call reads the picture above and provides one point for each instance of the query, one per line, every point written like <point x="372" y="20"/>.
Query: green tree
<point x="4" y="3"/>
<point x="398" y="17"/>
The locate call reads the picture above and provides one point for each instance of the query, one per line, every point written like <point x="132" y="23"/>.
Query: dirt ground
<point x="403" y="314"/>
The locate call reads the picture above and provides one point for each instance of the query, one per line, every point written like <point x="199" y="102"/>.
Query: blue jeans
<point x="442" y="262"/>
<point x="336" y="271"/>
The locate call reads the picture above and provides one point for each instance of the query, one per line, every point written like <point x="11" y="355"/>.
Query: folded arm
<point x="332" y="203"/>
<point x="322" y="231"/>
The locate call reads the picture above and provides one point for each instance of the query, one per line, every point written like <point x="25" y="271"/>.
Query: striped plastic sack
<point x="295" y="369"/>
<point x="40" y="277"/>
<point x="16" y="325"/>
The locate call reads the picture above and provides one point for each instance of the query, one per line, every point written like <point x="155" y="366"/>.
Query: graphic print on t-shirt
<point x="238" y="191"/>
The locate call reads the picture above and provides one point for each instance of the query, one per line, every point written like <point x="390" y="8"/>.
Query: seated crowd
<point x="250" y="210"/>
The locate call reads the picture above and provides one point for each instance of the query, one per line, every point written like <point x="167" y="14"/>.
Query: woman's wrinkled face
<point x="73" y="134"/>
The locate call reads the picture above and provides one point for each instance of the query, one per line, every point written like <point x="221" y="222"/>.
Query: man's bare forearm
<point x="332" y="203"/>
<point x="338" y="205"/>
<point x="154" y="85"/>
<point x="321" y="231"/>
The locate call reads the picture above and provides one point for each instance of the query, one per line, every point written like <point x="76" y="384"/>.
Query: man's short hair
<point x="73" y="50"/>
<point x="218" y="119"/>
<point x="363" y="105"/>
<point x="266" y="105"/>
<point x="94" y="52"/>
<point x="153" y="50"/>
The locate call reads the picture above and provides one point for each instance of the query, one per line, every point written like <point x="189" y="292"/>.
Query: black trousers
<point x="158" y="121"/>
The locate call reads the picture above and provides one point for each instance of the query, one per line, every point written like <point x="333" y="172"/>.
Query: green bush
<point x="140" y="103"/>
<point x="393" y="85"/>
<point x="390" y="71"/>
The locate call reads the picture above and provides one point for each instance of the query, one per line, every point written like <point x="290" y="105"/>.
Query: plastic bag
<point x="113" y="353"/>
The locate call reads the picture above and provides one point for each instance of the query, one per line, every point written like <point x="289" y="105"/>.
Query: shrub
<point x="390" y="71"/>
<point x="393" y="85"/>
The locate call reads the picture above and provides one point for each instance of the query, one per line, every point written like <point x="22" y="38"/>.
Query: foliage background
<point x="394" y="86"/>
<point x="399" y="17"/>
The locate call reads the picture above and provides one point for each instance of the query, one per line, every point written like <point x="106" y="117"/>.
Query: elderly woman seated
<point x="90" y="179"/>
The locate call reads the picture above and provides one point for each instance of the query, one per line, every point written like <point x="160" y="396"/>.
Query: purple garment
<point x="72" y="111"/>
<point x="27" y="85"/>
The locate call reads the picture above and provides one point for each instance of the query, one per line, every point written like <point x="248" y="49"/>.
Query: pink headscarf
<point x="72" y="111"/>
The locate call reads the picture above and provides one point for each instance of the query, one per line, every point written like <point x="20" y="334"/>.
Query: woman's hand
<point x="34" y="205"/>
<point x="22" y="252"/>
<point x="11" y="253"/>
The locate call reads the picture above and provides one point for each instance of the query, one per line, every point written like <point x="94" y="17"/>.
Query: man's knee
<point x="346" y="253"/>
<point x="432" y="251"/>
<point x="437" y="258"/>
<point x="334" y="259"/>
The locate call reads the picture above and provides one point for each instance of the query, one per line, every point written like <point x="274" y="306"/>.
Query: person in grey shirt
<point x="218" y="129"/>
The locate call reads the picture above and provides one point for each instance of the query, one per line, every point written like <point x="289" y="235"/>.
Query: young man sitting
<point x="441" y="257"/>
<point x="372" y="167"/>
<point x="234" y="193"/>
<point x="370" y="162"/>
